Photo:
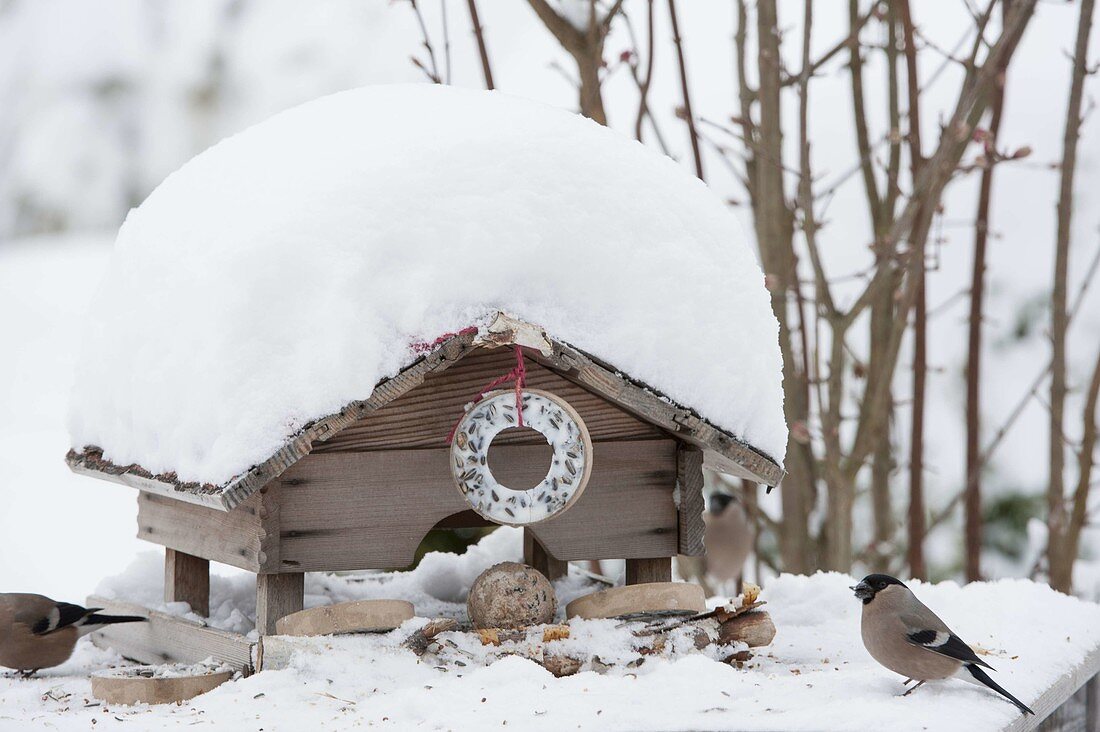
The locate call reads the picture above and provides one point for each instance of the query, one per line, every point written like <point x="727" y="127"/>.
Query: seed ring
<point x="565" y="432"/>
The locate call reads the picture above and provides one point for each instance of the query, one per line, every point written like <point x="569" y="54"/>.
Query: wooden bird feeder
<point x="359" y="489"/>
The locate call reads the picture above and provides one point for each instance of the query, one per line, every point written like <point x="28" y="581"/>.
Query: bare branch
<point x="562" y="29"/>
<point x="689" y="117"/>
<point x="586" y="48"/>
<point x="973" y="489"/>
<point x="483" y="52"/>
<point x="1085" y="463"/>
<point x="1059" y="556"/>
<point x="446" y="41"/>
<point x="644" y="81"/>
<point x="611" y="13"/>
<point x="913" y="222"/>
<point x="432" y="71"/>
<point x="863" y="141"/>
<point x="917" y="529"/>
<point x="811" y="68"/>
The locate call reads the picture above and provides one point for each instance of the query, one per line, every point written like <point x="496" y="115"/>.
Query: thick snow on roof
<point x="283" y="272"/>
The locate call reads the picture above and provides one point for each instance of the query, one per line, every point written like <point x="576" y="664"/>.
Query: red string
<point x="518" y="375"/>
<point x="521" y="381"/>
<point x="424" y="346"/>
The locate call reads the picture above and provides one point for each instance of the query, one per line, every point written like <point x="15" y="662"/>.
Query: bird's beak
<point x="863" y="591"/>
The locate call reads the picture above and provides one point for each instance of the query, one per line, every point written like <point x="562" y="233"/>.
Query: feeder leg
<point x="1092" y="703"/>
<point x="640" y="571"/>
<point x="277" y="595"/>
<point x="187" y="579"/>
<point x="536" y="556"/>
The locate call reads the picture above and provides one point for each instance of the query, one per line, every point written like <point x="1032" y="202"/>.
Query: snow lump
<point x="283" y="272"/>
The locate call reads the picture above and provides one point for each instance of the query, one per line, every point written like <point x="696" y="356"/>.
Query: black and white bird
<point x="37" y="632"/>
<point x="905" y="636"/>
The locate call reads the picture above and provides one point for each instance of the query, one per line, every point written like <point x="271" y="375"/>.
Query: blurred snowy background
<point x="100" y="101"/>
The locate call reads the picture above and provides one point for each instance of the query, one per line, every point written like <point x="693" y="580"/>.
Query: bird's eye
<point x="881" y="585"/>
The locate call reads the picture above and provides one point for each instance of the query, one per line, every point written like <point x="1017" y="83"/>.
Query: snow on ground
<point x="282" y="273"/>
<point x="437" y="588"/>
<point x="815" y="676"/>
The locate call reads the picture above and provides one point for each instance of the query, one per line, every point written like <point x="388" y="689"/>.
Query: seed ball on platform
<point x="511" y="595"/>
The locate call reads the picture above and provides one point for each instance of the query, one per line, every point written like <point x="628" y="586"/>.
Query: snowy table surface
<point x="815" y="676"/>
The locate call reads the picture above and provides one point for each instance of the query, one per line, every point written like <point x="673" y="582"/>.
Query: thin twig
<point x="1018" y="409"/>
<point x="973" y="492"/>
<point x="689" y="117"/>
<point x="811" y="68"/>
<point x="643" y="84"/>
<point x="483" y="52"/>
<point x="433" y="72"/>
<point x="446" y="41"/>
<point x="1060" y="553"/>
<point x="915" y="218"/>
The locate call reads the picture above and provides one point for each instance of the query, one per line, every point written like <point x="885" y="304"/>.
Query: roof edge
<point x="722" y="451"/>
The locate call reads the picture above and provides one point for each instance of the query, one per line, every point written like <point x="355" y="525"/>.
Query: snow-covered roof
<point x="284" y="273"/>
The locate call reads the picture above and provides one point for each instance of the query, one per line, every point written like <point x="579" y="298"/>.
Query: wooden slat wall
<point x="424" y="417"/>
<point x="628" y="510"/>
<point x="238" y="537"/>
<point x="348" y="510"/>
<point x="365" y="498"/>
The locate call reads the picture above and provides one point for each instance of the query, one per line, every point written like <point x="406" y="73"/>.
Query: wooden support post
<point x="187" y="579"/>
<point x="639" y="571"/>
<point x="689" y="479"/>
<point x="535" y="555"/>
<point x="1092" y="703"/>
<point x="277" y="595"/>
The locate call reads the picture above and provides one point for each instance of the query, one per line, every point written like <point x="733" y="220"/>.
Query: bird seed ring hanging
<point x="570" y="466"/>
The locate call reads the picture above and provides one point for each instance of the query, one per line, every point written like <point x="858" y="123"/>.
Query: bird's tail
<point x="982" y="677"/>
<point x="94" y="620"/>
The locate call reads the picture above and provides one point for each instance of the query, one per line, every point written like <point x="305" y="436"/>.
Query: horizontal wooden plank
<point x="424" y="417"/>
<point x="78" y="464"/>
<point x="237" y="537"/>
<point x="168" y="639"/>
<point x="344" y="511"/>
